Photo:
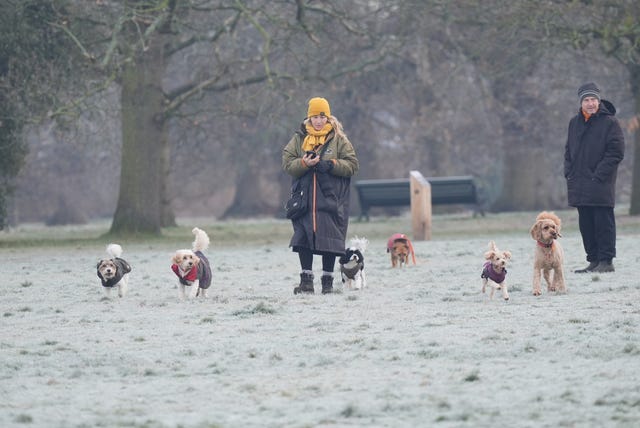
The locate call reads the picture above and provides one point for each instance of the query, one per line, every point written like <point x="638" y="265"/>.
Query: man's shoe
<point x="604" y="266"/>
<point x="306" y="284"/>
<point x="590" y="268"/>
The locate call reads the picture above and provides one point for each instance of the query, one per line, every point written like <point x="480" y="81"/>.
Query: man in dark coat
<point x="594" y="148"/>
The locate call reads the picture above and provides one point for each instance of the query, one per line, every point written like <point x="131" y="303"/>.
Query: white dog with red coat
<point x="192" y="267"/>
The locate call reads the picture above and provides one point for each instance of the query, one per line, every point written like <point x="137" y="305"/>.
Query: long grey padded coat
<point x="323" y="228"/>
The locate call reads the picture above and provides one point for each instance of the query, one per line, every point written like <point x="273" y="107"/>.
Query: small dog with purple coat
<point x="494" y="270"/>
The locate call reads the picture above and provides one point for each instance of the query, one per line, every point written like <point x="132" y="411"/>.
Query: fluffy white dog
<point x="192" y="266"/>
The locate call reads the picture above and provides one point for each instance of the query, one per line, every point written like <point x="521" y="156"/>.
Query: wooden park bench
<point x="396" y="192"/>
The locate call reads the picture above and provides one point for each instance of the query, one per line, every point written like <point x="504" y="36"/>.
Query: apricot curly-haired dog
<point x="549" y="257"/>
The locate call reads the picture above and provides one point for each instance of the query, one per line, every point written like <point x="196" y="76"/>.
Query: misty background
<point x="125" y="109"/>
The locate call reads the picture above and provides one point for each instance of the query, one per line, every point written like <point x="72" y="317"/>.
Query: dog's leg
<point x="551" y="286"/>
<point x="394" y="262"/>
<point x="363" y="279"/>
<point x="123" y="285"/>
<point x="183" y="293"/>
<point x="202" y="292"/>
<point x="193" y="293"/>
<point x="484" y="285"/>
<point x="537" y="290"/>
<point x="493" y="290"/>
<point x="558" y="280"/>
<point x="107" y="291"/>
<point x="505" y="293"/>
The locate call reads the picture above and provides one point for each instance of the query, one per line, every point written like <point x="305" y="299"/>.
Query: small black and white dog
<point x="352" y="264"/>
<point x="114" y="271"/>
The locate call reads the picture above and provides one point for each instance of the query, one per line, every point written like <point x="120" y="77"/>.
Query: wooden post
<point x="420" y="206"/>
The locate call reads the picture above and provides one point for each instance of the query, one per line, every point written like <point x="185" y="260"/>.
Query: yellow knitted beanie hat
<point x="318" y="107"/>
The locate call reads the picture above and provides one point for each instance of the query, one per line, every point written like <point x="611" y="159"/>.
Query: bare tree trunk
<point x="521" y="179"/>
<point x="254" y="195"/>
<point x="634" y="208"/>
<point x="168" y="218"/>
<point x="142" y="201"/>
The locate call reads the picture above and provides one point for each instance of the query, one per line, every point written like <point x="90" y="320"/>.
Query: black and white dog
<point x="114" y="271"/>
<point x="352" y="264"/>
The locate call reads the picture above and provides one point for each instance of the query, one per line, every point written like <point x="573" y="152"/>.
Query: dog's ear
<point x="507" y="255"/>
<point x="175" y="259"/>
<point x="98" y="269"/>
<point x="535" y="230"/>
<point x="489" y="254"/>
<point x="196" y="260"/>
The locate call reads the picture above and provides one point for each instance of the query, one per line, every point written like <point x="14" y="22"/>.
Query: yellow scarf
<point x="315" y="139"/>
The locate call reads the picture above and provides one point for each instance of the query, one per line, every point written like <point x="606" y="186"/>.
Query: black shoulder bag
<point x="298" y="203"/>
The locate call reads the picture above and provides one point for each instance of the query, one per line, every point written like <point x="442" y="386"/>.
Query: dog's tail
<point x="492" y="246"/>
<point x="360" y="243"/>
<point x="114" y="250"/>
<point x="201" y="242"/>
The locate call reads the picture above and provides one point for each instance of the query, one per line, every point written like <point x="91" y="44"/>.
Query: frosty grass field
<point x="420" y="347"/>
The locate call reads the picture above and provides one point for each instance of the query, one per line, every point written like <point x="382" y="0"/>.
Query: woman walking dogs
<point x="321" y="161"/>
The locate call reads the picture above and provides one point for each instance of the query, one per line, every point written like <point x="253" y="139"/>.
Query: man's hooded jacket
<point x="593" y="151"/>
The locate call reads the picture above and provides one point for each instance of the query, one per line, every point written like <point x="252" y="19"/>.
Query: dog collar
<point x="543" y="245"/>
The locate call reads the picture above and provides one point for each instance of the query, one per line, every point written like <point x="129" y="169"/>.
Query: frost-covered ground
<point x="420" y="347"/>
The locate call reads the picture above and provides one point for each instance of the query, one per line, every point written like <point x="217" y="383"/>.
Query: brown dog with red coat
<point x="400" y="248"/>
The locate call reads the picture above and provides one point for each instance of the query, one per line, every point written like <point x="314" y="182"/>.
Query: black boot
<point x="327" y="284"/>
<point x="590" y="268"/>
<point x="306" y="284"/>
<point x="604" y="266"/>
